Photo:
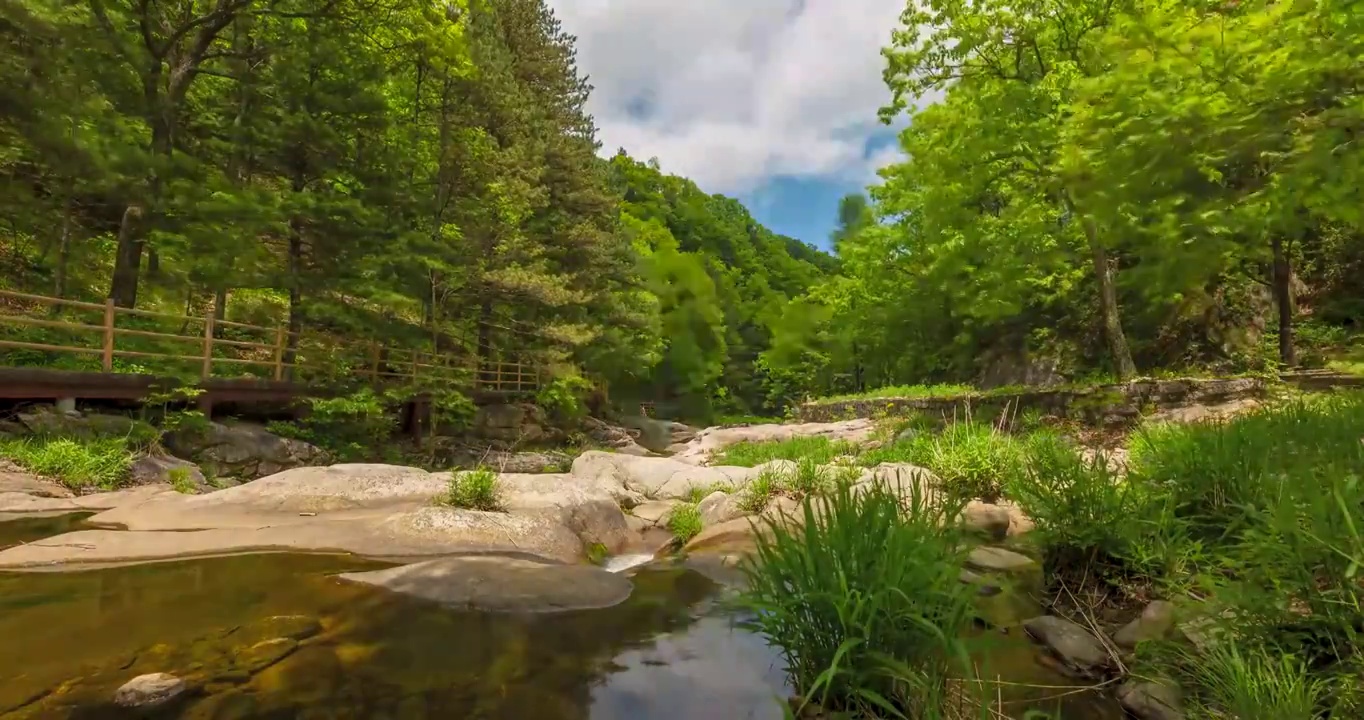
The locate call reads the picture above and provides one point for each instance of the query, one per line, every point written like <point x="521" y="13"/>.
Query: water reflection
<point x="29" y="527"/>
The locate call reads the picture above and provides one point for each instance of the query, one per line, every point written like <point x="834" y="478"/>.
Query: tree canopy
<point x="412" y="172"/>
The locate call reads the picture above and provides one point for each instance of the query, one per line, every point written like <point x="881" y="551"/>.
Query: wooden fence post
<point x="415" y="356"/>
<point x="208" y="344"/>
<point x="109" y="335"/>
<point x="279" y="353"/>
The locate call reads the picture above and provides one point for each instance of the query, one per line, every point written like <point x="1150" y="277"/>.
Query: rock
<point x="1019" y="522"/>
<point x="712" y="440"/>
<point x="23" y="502"/>
<point x="1156" y="622"/>
<point x="998" y="559"/>
<point x="990" y="521"/>
<point x="985" y="586"/>
<point x="591" y="510"/>
<point x="657" y="477"/>
<point x="655" y="435"/>
<point x="1075" y="646"/>
<point x="498" y="584"/>
<point x="719" y="507"/>
<point x="636" y="524"/>
<point x="727" y="538"/>
<point x="292" y="627"/>
<point x="14" y="479"/>
<point x="150" y="469"/>
<point x="517" y="422"/>
<point x="524" y="463"/>
<point x="903" y="479"/>
<point x="1151" y="700"/>
<point x="242" y="450"/>
<point x="48" y="421"/>
<point x="149" y="691"/>
<point x="654" y="512"/>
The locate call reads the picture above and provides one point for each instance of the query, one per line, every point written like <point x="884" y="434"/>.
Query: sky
<point x="770" y="101"/>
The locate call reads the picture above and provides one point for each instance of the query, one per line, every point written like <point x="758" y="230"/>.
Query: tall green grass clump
<point x="974" y="460"/>
<point x="474" y="490"/>
<point x="101" y="463"/>
<point x="819" y="450"/>
<point x="1231" y="681"/>
<point x="864" y="602"/>
<point x="684" y="522"/>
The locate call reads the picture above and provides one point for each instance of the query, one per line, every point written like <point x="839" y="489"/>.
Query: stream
<point x="276" y="635"/>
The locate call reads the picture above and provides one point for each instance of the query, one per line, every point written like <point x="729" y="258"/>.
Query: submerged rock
<point x="1151" y="700"/>
<point x="149" y="691"/>
<point x="500" y="584"/>
<point x="1075" y="646"/>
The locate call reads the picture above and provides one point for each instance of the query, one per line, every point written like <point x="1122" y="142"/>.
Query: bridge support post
<point x="66" y="405"/>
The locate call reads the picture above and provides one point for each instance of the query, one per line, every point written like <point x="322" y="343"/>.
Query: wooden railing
<point x="270" y="352"/>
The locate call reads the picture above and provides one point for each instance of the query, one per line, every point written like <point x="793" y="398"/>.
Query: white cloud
<point x="738" y="91"/>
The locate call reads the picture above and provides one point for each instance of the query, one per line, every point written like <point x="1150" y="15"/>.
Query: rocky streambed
<point x="419" y="609"/>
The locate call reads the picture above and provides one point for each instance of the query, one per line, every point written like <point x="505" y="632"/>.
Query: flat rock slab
<point x="1076" y="646"/>
<point x="498" y="584"/>
<point x="1000" y="560"/>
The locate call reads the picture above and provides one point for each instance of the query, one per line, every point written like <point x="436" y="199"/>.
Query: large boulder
<point x="500" y="584"/>
<point x="590" y="510"/>
<point x="153" y="469"/>
<point x="511" y="423"/>
<point x="49" y="421"/>
<point x="657" y="477"/>
<point x="241" y="450"/>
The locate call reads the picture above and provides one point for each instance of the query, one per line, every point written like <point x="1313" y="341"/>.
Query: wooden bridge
<point x="53" y="348"/>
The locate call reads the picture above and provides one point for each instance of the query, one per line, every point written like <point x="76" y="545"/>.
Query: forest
<point x="1101" y="190"/>
<point x="1094" y="190"/>
<point x="385" y="169"/>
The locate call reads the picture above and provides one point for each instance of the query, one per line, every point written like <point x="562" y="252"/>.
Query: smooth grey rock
<point x="1151" y="700"/>
<point x="1074" y="645"/>
<point x="149" y="691"/>
<point x="1155" y="622"/>
<point x="719" y="507"/>
<point x="501" y="584"/>
<point x="998" y="559"/>
<point x="990" y="521"/>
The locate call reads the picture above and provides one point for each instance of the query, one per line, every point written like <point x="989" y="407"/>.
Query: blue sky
<point x="770" y="101"/>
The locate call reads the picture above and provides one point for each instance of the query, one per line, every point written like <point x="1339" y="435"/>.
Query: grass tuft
<point x="864" y="602"/>
<point x="474" y="490"/>
<point x="974" y="461"/>
<point x="684" y="522"/>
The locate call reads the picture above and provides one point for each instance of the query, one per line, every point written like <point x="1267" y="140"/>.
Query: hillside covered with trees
<point x="381" y="169"/>
<point x="1103" y="189"/>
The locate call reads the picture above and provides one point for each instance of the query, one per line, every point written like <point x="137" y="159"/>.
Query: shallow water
<point x="26" y="529"/>
<point x="669" y="653"/>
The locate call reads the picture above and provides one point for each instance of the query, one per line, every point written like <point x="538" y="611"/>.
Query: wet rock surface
<point x="1082" y="653"/>
<point x="149" y="691"/>
<point x="503" y="584"/>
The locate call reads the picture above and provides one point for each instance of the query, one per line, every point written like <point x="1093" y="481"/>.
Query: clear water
<point x="669" y="653"/>
<point x="26" y="529"/>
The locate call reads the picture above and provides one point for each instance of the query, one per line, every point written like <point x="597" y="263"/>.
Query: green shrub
<point x="820" y="450"/>
<point x="101" y="463"/>
<point x="474" y="490"/>
<point x="864" y="602"/>
<point x="352" y="428"/>
<point x="685" y="521"/>
<point x="562" y="398"/>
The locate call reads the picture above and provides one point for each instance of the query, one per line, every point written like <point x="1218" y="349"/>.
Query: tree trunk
<point x="1283" y="299"/>
<point x="220" y="303"/>
<point x="127" y="258"/>
<point x="1109" y="313"/>
<point x="63" y="252"/>
<point x="295" y="292"/>
<point x="485" y="339"/>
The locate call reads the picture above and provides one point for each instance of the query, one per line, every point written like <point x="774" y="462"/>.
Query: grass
<point x="1255" y="682"/>
<point x="973" y="460"/>
<point x="736" y="420"/>
<point x="474" y="490"/>
<point x="697" y="493"/>
<point x="101" y="463"/>
<point x="684" y="522"/>
<point x="904" y="392"/>
<point x="820" y="450"/>
<point x="864" y="603"/>
<point x="759" y="491"/>
<point x="181" y="481"/>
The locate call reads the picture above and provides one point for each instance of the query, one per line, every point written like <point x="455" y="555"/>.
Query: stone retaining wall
<point x="1100" y="405"/>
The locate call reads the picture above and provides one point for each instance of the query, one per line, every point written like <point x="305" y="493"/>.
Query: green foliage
<point x="597" y="553"/>
<point x="79" y="464"/>
<point x="351" y="427"/>
<point x="973" y="460"/>
<point x="181" y="481"/>
<point x="864" y="602"/>
<point x="1253" y="682"/>
<point x="945" y="390"/>
<point x="684" y="522"/>
<point x="818" y="450"/>
<point x="563" y="397"/>
<point x="474" y="490"/>
<point x="759" y="491"/>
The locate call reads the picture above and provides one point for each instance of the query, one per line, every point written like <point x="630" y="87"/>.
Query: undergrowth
<point x="684" y="522"/>
<point x="101" y="463"/>
<point x="820" y="450"/>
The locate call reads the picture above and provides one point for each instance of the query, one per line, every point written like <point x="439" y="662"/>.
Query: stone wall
<point x="1099" y="405"/>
